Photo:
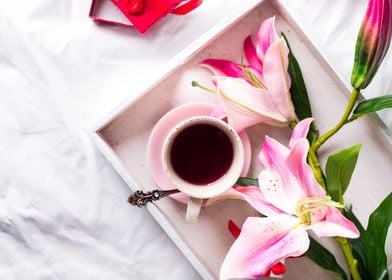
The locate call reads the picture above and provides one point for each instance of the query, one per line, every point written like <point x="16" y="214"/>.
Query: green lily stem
<point x="344" y="119"/>
<point x="316" y="167"/>
<point x="351" y="261"/>
<point x="343" y="242"/>
<point x="314" y="162"/>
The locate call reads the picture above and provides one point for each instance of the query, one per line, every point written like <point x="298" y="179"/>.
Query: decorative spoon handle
<point x="140" y="198"/>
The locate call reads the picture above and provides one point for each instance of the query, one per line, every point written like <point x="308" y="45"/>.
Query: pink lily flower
<point x="276" y="270"/>
<point x="265" y="97"/>
<point x="373" y="42"/>
<point x="294" y="203"/>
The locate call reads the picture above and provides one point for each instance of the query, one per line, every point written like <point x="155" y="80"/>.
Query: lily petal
<point x="221" y="67"/>
<point x="334" y="224"/>
<point x="277" y="184"/>
<point x="229" y="194"/>
<point x="277" y="270"/>
<point x="254" y="197"/>
<point x="245" y="104"/>
<point x="277" y="79"/>
<point x="273" y="154"/>
<point x="300" y="131"/>
<point x="251" y="55"/>
<point x="318" y="214"/>
<point x="297" y="163"/>
<point x="266" y="36"/>
<point x="251" y="194"/>
<point x="263" y="242"/>
<point x="218" y="112"/>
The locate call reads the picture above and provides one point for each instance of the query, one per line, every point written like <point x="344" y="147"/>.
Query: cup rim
<point x="219" y="186"/>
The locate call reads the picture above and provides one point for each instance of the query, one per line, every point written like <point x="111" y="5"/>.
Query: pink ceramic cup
<point x="199" y="192"/>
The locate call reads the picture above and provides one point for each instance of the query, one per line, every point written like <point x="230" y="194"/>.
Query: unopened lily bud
<point x="373" y="42"/>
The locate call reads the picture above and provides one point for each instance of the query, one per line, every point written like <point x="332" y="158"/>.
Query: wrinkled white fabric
<point x="63" y="213"/>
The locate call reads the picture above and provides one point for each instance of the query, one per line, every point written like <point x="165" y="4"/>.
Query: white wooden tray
<point x="123" y="136"/>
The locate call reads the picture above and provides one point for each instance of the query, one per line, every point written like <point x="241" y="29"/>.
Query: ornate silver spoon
<point x="140" y="198"/>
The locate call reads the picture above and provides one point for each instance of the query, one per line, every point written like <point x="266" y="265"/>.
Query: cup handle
<point x="193" y="209"/>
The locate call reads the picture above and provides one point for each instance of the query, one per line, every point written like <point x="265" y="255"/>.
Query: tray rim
<point x="169" y="68"/>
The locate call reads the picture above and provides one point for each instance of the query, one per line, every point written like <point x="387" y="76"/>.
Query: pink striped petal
<point x="245" y="104"/>
<point x="318" y="214"/>
<point x="263" y="242"/>
<point x="281" y="196"/>
<point x="221" y="67"/>
<point x="251" y="194"/>
<point x="229" y="194"/>
<point x="277" y="184"/>
<point x="273" y="154"/>
<point x="255" y="198"/>
<point x="251" y="55"/>
<point x="300" y="131"/>
<point x="297" y="163"/>
<point x="334" y="224"/>
<point x="277" y="78"/>
<point x="266" y="36"/>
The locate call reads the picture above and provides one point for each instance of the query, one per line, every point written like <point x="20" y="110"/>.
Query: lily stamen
<point x="325" y="201"/>
<point x="314" y="203"/>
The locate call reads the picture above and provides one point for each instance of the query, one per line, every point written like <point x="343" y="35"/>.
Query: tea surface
<point x="201" y="154"/>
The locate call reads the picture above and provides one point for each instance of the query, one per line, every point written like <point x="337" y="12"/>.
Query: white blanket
<point x="63" y="213"/>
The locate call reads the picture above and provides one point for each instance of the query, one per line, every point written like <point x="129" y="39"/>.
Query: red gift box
<point x="151" y="11"/>
<point x="104" y="11"/>
<point x="141" y="14"/>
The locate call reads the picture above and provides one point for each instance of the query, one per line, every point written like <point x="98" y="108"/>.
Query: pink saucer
<point x="163" y="127"/>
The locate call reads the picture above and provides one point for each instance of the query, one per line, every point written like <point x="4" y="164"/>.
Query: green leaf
<point x="322" y="257"/>
<point x="372" y="105"/>
<point x="356" y="245"/>
<point x="299" y="93"/>
<point x="373" y="240"/>
<point x="340" y="167"/>
<point x="246" y="181"/>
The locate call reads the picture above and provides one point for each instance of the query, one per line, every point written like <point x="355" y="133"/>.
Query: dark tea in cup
<point x="203" y="157"/>
<point x="201" y="154"/>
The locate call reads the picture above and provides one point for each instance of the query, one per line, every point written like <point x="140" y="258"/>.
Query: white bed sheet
<point x="63" y="210"/>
